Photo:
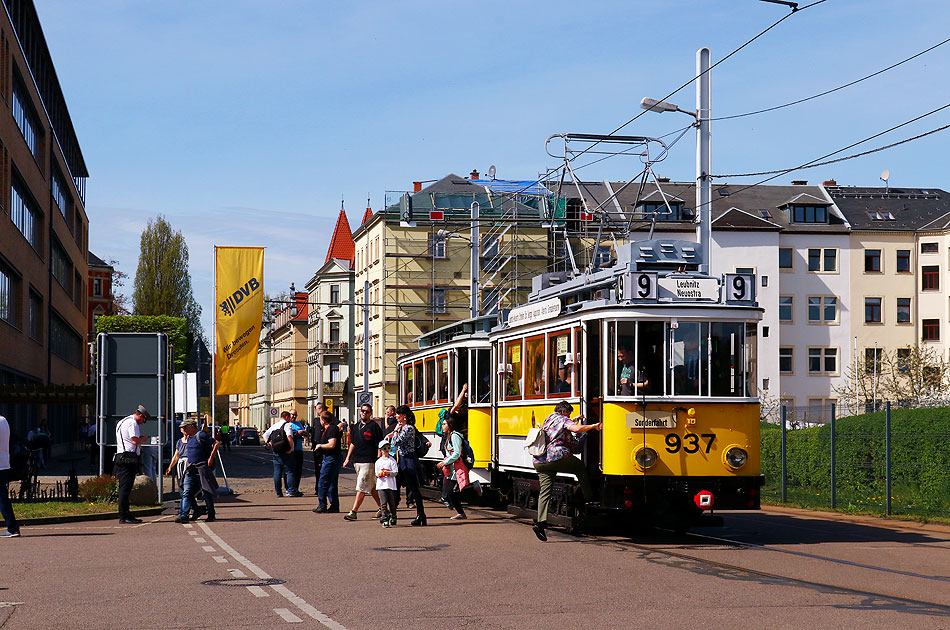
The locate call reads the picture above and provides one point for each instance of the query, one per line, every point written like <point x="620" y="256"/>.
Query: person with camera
<point x="129" y="440"/>
<point x="279" y="438"/>
<point x="198" y="449"/>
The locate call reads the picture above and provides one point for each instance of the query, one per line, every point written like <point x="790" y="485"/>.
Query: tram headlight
<point x="646" y="457"/>
<point x="735" y="457"/>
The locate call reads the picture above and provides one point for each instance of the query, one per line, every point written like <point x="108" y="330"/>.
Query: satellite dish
<point x="885" y="175"/>
<point x="491" y="172"/>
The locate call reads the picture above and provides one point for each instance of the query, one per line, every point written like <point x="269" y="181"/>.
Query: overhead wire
<point x="833" y="90"/>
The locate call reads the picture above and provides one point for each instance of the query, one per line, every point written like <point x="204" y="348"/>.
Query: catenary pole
<point x="703" y="158"/>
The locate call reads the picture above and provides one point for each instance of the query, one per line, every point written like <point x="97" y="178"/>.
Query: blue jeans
<point x="190" y="487"/>
<point x="6" y="508"/>
<point x="284" y="466"/>
<point x="328" y="495"/>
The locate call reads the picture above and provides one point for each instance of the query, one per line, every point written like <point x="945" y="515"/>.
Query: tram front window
<point x="513" y="374"/>
<point x="690" y="358"/>
<point x="481" y="375"/>
<point x="417" y="383"/>
<point x="726" y="341"/>
<point x="443" y="371"/>
<point x="407" y="384"/>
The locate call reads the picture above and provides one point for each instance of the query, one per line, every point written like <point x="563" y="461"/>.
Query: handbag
<point x="127" y="458"/>
<point x="421" y="446"/>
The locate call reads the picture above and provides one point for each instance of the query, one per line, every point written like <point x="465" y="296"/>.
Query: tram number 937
<point x="689" y="443"/>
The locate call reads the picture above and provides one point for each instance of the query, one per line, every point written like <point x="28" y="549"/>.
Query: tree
<point x="179" y="336"/>
<point x="162" y="281"/>
<point x="912" y="376"/>
<point x="120" y="301"/>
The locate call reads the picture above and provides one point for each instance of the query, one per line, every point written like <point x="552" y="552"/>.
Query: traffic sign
<point x="364" y="398"/>
<point x="274" y="412"/>
<point x="328" y="403"/>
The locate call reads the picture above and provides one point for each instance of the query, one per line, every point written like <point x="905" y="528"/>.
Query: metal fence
<point x="888" y="462"/>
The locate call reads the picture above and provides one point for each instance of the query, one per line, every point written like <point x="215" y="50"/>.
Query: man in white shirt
<point x="6" y="508"/>
<point x="128" y="439"/>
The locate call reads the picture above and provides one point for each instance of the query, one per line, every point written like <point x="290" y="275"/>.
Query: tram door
<point x="589" y="353"/>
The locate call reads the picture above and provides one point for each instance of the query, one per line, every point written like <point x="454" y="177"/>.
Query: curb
<point x="80" y="518"/>
<point x="863" y="519"/>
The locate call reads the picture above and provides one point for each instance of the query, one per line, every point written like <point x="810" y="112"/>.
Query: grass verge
<point x="61" y="508"/>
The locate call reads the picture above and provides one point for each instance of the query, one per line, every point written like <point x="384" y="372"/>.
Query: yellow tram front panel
<point x="695" y="446"/>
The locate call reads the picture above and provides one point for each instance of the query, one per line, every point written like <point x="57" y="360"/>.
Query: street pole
<point x="475" y="243"/>
<point x="366" y="336"/>
<point x="320" y="360"/>
<point x="703" y="159"/>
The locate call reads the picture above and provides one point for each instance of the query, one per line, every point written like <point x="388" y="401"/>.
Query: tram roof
<point x="471" y="327"/>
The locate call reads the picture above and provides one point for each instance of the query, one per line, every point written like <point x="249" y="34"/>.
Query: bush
<point x="175" y="327"/>
<point x="101" y="488"/>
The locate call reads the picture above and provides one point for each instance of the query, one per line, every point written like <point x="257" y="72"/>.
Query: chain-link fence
<point x="890" y="462"/>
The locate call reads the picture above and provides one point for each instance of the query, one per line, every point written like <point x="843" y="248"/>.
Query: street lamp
<point x="703" y="152"/>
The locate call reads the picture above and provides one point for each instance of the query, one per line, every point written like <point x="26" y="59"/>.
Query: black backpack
<point x="278" y="440"/>
<point x="421" y="446"/>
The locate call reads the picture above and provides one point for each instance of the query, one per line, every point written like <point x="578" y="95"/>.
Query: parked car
<point x="249" y="437"/>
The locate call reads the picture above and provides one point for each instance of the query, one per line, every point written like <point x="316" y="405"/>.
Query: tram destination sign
<point x="689" y="289"/>
<point x="531" y="313"/>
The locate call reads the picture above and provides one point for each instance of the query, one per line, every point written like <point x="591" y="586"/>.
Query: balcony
<point x="334" y="388"/>
<point x="335" y="347"/>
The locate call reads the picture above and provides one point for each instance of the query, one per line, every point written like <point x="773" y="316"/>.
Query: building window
<point x="97" y="286"/>
<point x="822" y="259"/>
<point x="36" y="316"/>
<point x="24" y="215"/>
<point x="872" y="360"/>
<point x="903" y="261"/>
<point x="334" y="294"/>
<point x="334" y="372"/>
<point x="929" y="248"/>
<point x="785" y="303"/>
<point x="931" y="330"/>
<point x="334" y="332"/>
<point x="64" y="342"/>
<point x="872" y="260"/>
<point x="437" y="245"/>
<point x="822" y="309"/>
<point x="61" y="197"/>
<point x="930" y="278"/>
<point x="903" y="310"/>
<point x="9" y="290"/>
<point x="25" y="117"/>
<point x="786" y="360"/>
<point x="437" y="300"/>
<point x="662" y="214"/>
<point x="809" y="214"/>
<point x="822" y="360"/>
<point x="903" y="360"/>
<point x="78" y="293"/>
<point x="61" y="267"/>
<point x="872" y="310"/>
<point x="785" y="258"/>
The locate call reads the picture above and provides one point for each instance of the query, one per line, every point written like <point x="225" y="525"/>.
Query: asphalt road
<point x="268" y="562"/>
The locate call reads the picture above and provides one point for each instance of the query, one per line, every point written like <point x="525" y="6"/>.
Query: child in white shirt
<point x="386" y="484"/>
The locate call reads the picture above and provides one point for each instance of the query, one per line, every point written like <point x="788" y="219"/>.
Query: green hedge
<point x="175" y="327"/>
<point x="920" y="459"/>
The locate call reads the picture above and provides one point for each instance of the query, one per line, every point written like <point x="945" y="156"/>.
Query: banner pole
<point x="214" y="337"/>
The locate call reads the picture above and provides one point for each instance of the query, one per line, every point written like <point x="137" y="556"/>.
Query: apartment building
<point x="330" y="326"/>
<point x="43" y="238"/>
<point x="289" y="356"/>
<point x="414" y="276"/>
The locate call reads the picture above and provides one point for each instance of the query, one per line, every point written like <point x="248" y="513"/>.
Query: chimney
<point x="416" y="186"/>
<point x="799" y="182"/>
<point x="829" y="182"/>
<point x="663" y="180"/>
<point x="473" y="174"/>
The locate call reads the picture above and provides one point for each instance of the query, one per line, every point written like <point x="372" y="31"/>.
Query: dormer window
<point x="661" y="212"/>
<point x="809" y="214"/>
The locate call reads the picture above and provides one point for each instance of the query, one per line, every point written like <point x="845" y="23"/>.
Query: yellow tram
<point x="662" y="354"/>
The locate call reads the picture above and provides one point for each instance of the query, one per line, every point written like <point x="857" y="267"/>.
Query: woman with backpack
<point x="448" y="466"/>
<point x="404" y="441"/>
<point x="558" y="429"/>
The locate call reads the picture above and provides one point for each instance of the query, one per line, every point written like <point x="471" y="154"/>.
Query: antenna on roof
<point x="491" y="172"/>
<point x="885" y="175"/>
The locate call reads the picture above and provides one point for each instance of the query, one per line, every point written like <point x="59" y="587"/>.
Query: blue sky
<point x="246" y="123"/>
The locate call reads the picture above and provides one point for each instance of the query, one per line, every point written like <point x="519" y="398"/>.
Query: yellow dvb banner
<point x="239" y="299"/>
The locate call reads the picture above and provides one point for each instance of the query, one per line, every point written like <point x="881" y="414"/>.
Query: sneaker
<point x="385" y="523"/>
<point x="538" y="529"/>
<point x="210" y="518"/>
<point x="477" y="487"/>
<point x="350" y="516"/>
<point x="379" y="513"/>
<point x="181" y="519"/>
<point x="458" y="517"/>
<point x="320" y="510"/>
<point x="10" y="535"/>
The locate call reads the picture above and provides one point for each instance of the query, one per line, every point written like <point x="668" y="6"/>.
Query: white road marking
<point x="220" y="559"/>
<point x="288" y="616"/>
<point x="192" y="532"/>
<point x="258" y="591"/>
<point x="279" y="588"/>
<point x="200" y="540"/>
<point x="208" y="548"/>
<point x="10" y="604"/>
<point x="189" y="526"/>
<point x="237" y="573"/>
